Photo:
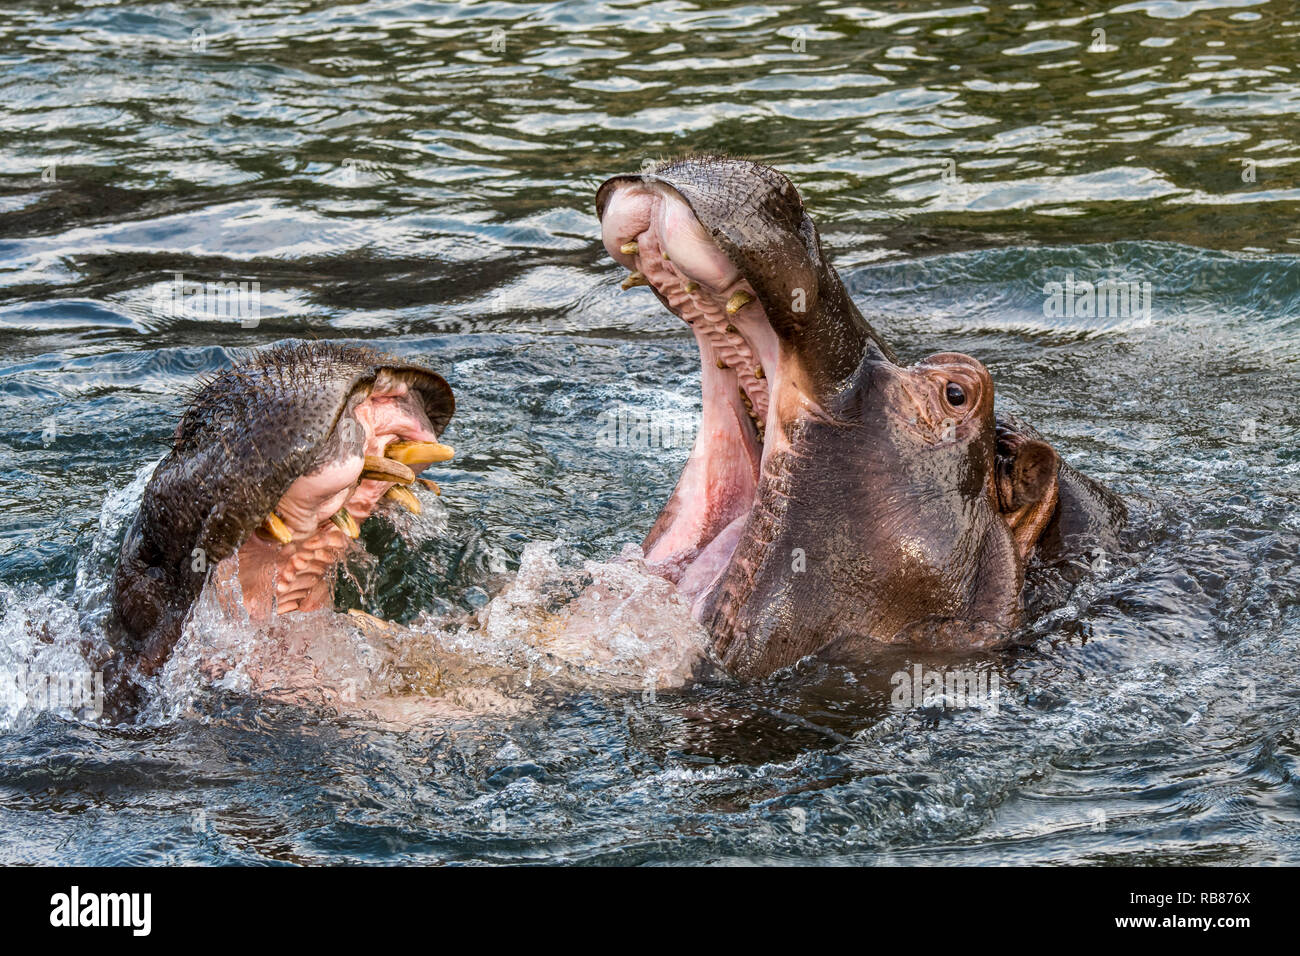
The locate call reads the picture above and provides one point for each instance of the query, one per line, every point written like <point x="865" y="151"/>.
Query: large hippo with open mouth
<point x="834" y="498"/>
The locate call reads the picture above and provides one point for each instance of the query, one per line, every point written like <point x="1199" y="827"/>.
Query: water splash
<point x="606" y="623"/>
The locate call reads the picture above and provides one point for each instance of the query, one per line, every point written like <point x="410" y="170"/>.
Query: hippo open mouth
<point x="382" y="438"/>
<point x="274" y="466"/>
<point x="653" y="232"/>
<point x="726" y="247"/>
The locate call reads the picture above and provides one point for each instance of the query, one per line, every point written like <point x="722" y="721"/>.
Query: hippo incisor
<point x="833" y="500"/>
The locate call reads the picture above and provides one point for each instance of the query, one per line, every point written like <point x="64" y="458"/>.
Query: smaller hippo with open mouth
<point x="833" y="499"/>
<point x="274" y="465"/>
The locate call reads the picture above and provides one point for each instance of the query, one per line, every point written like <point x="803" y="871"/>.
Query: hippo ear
<point x="1027" y="490"/>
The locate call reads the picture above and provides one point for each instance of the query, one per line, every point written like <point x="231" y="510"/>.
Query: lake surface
<point x="420" y="177"/>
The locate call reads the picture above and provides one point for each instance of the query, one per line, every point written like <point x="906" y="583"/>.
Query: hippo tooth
<point x="721" y="364"/>
<point x="404" y="498"/>
<point x="634" y="280"/>
<point x="369" y="619"/>
<point x="758" y="371"/>
<point x="628" y="248"/>
<point x="275" y="528"/>
<point x="431" y="485"/>
<point x="738" y="301"/>
<point x="378" y="468"/>
<point x="692" y="286"/>
<point x="346" y="523"/>
<point x="419" y="454"/>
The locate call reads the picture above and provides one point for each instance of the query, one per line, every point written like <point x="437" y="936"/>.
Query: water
<point x="391" y="172"/>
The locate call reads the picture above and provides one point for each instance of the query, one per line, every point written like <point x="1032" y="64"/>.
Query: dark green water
<point x="398" y="173"/>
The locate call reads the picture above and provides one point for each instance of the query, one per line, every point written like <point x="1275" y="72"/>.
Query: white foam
<point x="613" y="622"/>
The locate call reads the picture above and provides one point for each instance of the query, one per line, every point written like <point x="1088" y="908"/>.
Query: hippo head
<point x="273" y="467"/>
<point x="833" y="498"/>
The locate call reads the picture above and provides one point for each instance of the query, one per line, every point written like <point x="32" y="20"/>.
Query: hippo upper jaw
<point x="313" y="523"/>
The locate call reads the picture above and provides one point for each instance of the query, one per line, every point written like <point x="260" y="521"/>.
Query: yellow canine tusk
<point x="404" y="498"/>
<point x="275" y="528"/>
<point x="377" y="468"/>
<point x="346" y="523"/>
<point x="738" y="301"/>
<point x="418" y="454"/>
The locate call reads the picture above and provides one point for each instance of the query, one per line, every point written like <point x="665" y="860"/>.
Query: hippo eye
<point x="955" y="394"/>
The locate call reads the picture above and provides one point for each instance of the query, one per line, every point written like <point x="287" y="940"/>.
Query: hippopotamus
<point x="834" y="499"/>
<point x="273" y="467"/>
